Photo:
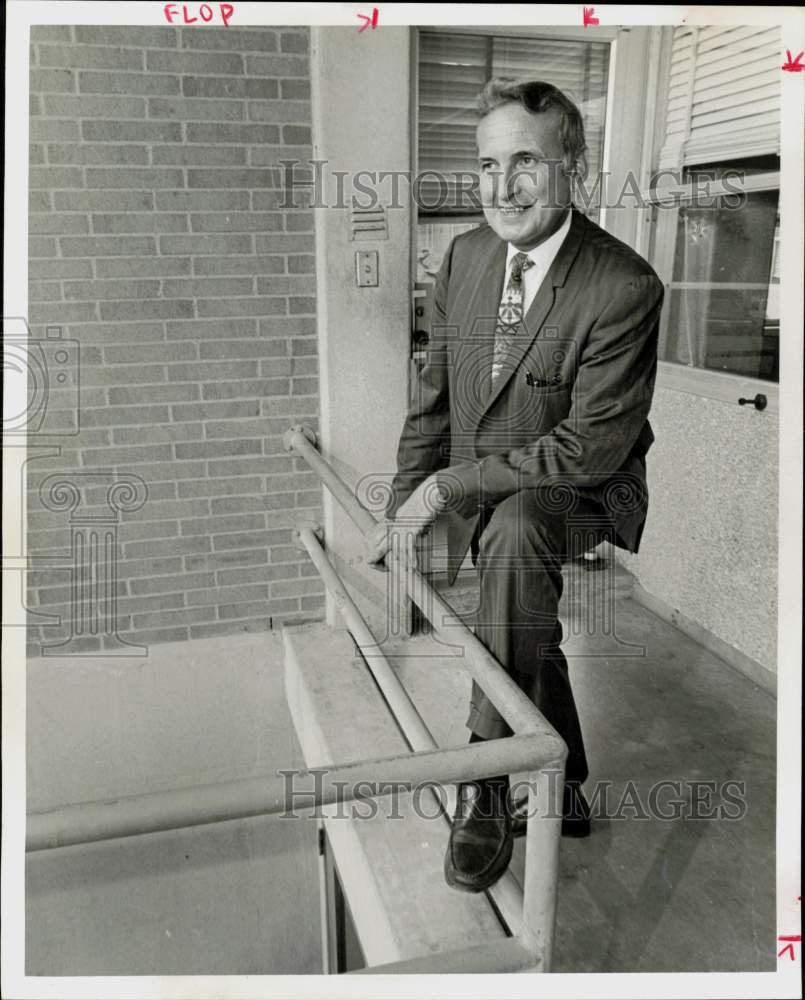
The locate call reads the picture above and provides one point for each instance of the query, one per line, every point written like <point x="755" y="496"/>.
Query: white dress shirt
<point x="543" y="256"/>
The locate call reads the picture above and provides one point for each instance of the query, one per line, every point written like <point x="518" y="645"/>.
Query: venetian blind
<point x="452" y="70"/>
<point x="724" y="95"/>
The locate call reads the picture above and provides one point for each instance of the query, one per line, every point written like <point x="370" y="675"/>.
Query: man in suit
<point x="529" y="428"/>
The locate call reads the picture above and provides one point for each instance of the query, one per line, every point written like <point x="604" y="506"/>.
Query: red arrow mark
<point x="370" y="22"/>
<point x="589" y="16"/>
<point x="792" y="939"/>
<point x="794" y="65"/>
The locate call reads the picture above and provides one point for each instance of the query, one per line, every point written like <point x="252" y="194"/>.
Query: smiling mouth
<point x="514" y="210"/>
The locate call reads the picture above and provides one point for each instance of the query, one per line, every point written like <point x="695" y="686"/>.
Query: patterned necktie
<point x="510" y="314"/>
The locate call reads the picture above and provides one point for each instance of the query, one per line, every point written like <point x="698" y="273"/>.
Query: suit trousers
<point x="519" y="548"/>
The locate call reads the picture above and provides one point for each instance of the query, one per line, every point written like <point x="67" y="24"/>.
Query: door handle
<point x="759" y="402"/>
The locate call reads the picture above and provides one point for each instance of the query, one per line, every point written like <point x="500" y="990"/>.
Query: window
<point x="452" y="69"/>
<point x="714" y="241"/>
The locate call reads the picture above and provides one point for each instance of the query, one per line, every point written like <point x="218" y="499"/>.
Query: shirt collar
<point x="543" y="255"/>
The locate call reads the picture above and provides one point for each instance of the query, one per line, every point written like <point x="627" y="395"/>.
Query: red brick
<point x="107" y="246"/>
<point x="84" y="106"/>
<point x="44" y="291"/>
<point x="181" y="616"/>
<point x="182" y="201"/>
<point x="41" y="246"/>
<point x="200" y="156"/>
<point x="240" y="349"/>
<point x="232" y="132"/>
<point x="279" y="111"/>
<point x="90" y="56"/>
<point x="102" y="153"/>
<point x="103" y="333"/>
<point x="172" y="392"/>
<point x="145" y="309"/>
<point x="301" y="264"/>
<point x="166" y="584"/>
<point x="59" y="81"/>
<point x="295" y="90"/>
<point x="137" y="354"/>
<point x="55" y="177"/>
<point x="194" y="62"/>
<point x="284" y="243"/>
<point x="215" y="525"/>
<point x="299" y="222"/>
<point x="258" y="264"/>
<point x="235" y="178"/>
<point x="40" y="201"/>
<point x="291" y="326"/>
<point x="295" y="41"/>
<point x="123" y="375"/>
<point x="108" y="34"/>
<point x="122" y="289"/>
<point x="123" y="177"/>
<point x="128" y="83"/>
<point x="101" y="201"/>
<point x="62" y="312"/>
<point x="234" y="39"/>
<point x="236" y="222"/>
<point x="247" y="389"/>
<point x="220" y="487"/>
<point x="159" y="547"/>
<point x="54" y="224"/>
<point x="224" y="560"/>
<point x="188" y="109"/>
<point x="51" y="33"/>
<point x="206" y="329"/>
<point x="229" y="86"/>
<point x="112" y="416"/>
<point x="122" y="131"/>
<point x="211" y="370"/>
<point x="230" y="410"/>
<point x="219" y="449"/>
<point x="257" y="624"/>
<point x="135" y="222"/>
<point x="193" y="288"/>
<point x="52" y="131"/>
<point x="277" y="65"/>
<point x="142" y="267"/>
<point x="200" y="243"/>
<point x="242" y="307"/>
<point x="43" y="269"/>
<point x="288" y="284"/>
<point x="127" y="456"/>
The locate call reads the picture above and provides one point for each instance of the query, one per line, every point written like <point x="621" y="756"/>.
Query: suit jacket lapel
<point x="540" y="308"/>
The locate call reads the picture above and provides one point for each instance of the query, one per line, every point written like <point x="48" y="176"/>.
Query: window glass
<point x="722" y="308"/>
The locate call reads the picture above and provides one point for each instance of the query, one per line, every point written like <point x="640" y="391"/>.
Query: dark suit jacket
<point x="569" y="413"/>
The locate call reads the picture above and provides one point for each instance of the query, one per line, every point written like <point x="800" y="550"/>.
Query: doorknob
<point x="759" y="402"/>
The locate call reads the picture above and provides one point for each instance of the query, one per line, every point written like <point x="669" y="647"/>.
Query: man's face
<point x="524" y="190"/>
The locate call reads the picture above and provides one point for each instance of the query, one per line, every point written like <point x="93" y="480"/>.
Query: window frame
<point x="704" y="382"/>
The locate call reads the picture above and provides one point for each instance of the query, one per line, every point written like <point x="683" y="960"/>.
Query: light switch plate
<point x="366" y="268"/>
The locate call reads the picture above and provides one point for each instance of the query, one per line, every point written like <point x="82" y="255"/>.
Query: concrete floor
<point x="647" y="894"/>
<point x="638" y="895"/>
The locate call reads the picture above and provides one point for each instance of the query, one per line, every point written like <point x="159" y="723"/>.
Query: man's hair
<point x="537" y="97"/>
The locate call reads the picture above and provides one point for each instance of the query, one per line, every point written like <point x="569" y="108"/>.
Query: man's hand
<point x="415" y="517"/>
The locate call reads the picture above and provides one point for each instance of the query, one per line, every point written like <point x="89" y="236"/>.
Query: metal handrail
<point x="535" y="934"/>
<point x="534" y="747"/>
<point x="507" y="892"/>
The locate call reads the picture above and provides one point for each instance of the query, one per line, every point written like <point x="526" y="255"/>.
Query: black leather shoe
<point x="575" y="813"/>
<point x="480" y="845"/>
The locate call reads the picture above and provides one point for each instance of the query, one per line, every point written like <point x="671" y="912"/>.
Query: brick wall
<point x="157" y="241"/>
